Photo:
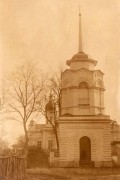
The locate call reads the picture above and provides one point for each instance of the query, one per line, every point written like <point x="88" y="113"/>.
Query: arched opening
<point x="83" y="94"/>
<point x="85" y="149"/>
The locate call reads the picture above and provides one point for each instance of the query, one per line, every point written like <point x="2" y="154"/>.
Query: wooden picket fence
<point x="13" y="168"/>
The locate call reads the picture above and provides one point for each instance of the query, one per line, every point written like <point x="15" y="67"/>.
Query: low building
<point x="41" y="135"/>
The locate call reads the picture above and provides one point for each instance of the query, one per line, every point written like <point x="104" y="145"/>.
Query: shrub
<point x="37" y="157"/>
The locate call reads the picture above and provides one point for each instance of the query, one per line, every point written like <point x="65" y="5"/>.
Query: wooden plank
<point x="13" y="167"/>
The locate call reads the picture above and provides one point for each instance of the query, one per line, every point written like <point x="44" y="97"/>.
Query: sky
<point x="46" y="31"/>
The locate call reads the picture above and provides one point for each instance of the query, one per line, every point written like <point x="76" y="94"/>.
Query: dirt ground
<point x="74" y="174"/>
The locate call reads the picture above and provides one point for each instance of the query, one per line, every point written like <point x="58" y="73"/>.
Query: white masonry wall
<point x="100" y="136"/>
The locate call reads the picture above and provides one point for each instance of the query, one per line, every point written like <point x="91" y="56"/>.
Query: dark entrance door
<point x="85" y="150"/>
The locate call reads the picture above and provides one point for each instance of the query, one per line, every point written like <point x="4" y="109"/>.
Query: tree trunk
<point x="26" y="139"/>
<point x="57" y="139"/>
<point x="59" y="104"/>
<point x="55" y="131"/>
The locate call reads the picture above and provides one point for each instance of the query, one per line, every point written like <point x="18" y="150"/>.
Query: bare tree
<point x="3" y="142"/>
<point x="26" y="88"/>
<point x="55" y="88"/>
<point x="3" y="146"/>
<point x="20" y="141"/>
<point x="18" y="146"/>
<point x="3" y="102"/>
<point x="51" y="106"/>
<point x="3" y="97"/>
<point x="2" y="132"/>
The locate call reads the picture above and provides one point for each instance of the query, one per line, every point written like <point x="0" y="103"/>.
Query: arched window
<point x="83" y="94"/>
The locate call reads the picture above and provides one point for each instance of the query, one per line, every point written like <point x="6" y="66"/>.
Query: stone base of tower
<point x="76" y="164"/>
<point x="85" y="140"/>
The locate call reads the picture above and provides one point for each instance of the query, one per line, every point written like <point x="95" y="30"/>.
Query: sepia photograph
<point x="59" y="89"/>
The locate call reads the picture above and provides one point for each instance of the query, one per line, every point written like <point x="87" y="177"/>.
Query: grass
<point x="48" y="174"/>
<point x="74" y="174"/>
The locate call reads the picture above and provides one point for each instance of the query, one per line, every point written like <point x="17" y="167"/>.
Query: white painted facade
<point x="73" y="129"/>
<point x="42" y="136"/>
<point x="82" y="87"/>
<point x="83" y="114"/>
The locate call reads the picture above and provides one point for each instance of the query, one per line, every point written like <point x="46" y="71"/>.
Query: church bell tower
<point x="82" y="85"/>
<point x="84" y="130"/>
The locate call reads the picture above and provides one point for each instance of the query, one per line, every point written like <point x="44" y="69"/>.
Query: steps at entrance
<point x="86" y="163"/>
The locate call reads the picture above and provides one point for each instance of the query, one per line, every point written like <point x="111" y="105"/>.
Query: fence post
<point x="13" y="167"/>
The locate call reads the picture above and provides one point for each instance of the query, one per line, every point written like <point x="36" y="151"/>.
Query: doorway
<point x="85" y="150"/>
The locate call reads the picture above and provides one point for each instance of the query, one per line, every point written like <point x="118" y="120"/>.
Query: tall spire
<point x="80" y="33"/>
